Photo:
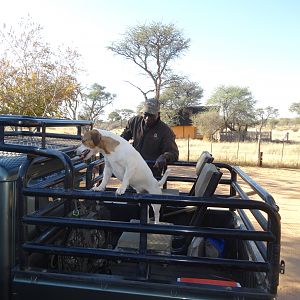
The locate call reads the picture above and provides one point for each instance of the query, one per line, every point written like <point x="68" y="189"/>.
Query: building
<point x="184" y="128"/>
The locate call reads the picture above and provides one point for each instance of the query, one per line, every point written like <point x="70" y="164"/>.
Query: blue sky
<point x="248" y="43"/>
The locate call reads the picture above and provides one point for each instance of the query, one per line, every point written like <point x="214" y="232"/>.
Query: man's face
<point x="150" y="119"/>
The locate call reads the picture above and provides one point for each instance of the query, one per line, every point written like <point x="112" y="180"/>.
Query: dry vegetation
<point x="64" y="130"/>
<point x="275" y="154"/>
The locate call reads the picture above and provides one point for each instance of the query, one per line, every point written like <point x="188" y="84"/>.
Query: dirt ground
<point x="284" y="186"/>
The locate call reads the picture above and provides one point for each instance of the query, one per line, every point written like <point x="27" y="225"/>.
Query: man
<point x="152" y="138"/>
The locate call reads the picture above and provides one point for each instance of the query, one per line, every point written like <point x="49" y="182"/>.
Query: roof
<point x="185" y="114"/>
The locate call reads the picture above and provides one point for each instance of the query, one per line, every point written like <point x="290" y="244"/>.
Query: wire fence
<point x="270" y="154"/>
<point x="263" y="159"/>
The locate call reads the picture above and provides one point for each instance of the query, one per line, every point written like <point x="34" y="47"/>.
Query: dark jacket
<point x="151" y="142"/>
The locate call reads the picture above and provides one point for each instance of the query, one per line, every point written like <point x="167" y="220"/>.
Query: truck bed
<point x="67" y="241"/>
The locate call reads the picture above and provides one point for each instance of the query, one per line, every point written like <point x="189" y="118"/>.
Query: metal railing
<point x="267" y="239"/>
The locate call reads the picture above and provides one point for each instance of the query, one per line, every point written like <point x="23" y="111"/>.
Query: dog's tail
<point x="164" y="178"/>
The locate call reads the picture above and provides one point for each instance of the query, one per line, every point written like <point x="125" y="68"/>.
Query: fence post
<point x="282" y="150"/>
<point x="260" y="159"/>
<point x="238" y="147"/>
<point x="188" y="154"/>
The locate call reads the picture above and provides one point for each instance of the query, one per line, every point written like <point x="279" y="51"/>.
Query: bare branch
<point x="144" y="93"/>
<point x="152" y="48"/>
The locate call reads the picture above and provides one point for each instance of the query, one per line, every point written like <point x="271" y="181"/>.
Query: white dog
<point x="122" y="160"/>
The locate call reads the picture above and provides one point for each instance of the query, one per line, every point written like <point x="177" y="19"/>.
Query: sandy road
<point x="284" y="186"/>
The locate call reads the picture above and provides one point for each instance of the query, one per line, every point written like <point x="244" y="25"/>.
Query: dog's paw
<point x="120" y="191"/>
<point x="98" y="188"/>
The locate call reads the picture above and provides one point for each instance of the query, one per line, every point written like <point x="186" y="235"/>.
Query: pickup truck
<point x="217" y="239"/>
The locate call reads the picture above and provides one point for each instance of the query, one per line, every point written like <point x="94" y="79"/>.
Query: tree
<point x="114" y="116"/>
<point x="176" y="97"/>
<point x="208" y="123"/>
<point x="152" y="48"/>
<point x="272" y="123"/>
<point x="121" y="115"/>
<point x="95" y="101"/>
<point x="139" y="108"/>
<point x="71" y="106"/>
<point x="34" y="79"/>
<point x="236" y="106"/>
<point x="125" y="113"/>
<point x="295" y="107"/>
<point x="262" y="116"/>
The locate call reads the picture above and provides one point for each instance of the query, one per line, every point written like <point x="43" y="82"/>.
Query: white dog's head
<point x="94" y="142"/>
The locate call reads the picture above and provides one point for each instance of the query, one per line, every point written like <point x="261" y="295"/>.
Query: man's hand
<point x="161" y="162"/>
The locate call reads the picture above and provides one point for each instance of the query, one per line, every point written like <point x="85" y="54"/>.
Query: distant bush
<point x="288" y="122"/>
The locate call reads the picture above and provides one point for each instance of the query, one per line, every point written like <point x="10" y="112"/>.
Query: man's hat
<point x="151" y="106"/>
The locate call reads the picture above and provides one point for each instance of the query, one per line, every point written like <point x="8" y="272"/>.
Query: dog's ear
<point x="95" y="137"/>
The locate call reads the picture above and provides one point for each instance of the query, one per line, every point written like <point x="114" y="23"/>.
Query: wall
<point x="183" y="132"/>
